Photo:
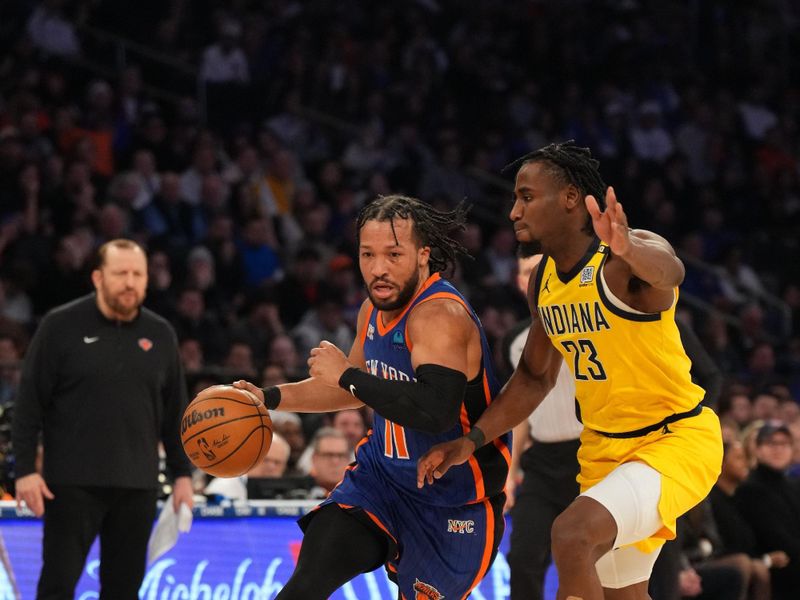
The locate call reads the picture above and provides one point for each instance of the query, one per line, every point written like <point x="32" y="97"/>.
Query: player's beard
<point x="404" y="296"/>
<point x="122" y="308"/>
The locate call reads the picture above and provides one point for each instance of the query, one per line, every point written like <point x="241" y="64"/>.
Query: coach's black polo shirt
<point x="103" y="393"/>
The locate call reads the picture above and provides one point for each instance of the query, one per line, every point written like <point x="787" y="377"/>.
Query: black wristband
<point x="476" y="436"/>
<point x="272" y="397"/>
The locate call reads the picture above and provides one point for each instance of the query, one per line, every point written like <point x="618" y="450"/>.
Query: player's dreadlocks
<point x="430" y="226"/>
<point x="569" y="164"/>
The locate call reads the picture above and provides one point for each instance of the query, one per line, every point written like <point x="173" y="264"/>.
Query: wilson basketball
<point x="226" y="431"/>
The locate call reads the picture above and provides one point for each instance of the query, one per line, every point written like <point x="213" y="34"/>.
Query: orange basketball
<point x="226" y="431"/>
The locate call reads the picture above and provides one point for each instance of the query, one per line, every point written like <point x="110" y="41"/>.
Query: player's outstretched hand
<point x="249" y="387"/>
<point x="611" y="225"/>
<point x="438" y="460"/>
<point x="327" y="363"/>
<point x="33" y="490"/>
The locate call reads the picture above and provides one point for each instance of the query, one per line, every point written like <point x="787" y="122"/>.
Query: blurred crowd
<point x="245" y="195"/>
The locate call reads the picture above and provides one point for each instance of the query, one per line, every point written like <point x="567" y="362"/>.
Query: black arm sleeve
<point x="430" y="404"/>
<point x="704" y="371"/>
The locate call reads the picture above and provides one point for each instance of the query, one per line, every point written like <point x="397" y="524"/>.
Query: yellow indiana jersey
<point x="630" y="368"/>
<point x="631" y="371"/>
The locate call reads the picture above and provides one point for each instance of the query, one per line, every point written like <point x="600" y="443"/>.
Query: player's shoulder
<point x="440" y="314"/>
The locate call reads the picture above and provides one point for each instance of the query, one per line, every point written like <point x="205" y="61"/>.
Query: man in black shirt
<point x="103" y="383"/>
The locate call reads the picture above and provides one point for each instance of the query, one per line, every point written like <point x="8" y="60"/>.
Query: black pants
<point x="548" y="488"/>
<point x="72" y="520"/>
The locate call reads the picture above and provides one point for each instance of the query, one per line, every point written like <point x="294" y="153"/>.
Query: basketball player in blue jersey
<point x="421" y="361"/>
<point x="603" y="298"/>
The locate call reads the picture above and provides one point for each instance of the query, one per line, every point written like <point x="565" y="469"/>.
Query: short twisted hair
<point x="430" y="226"/>
<point x="569" y="164"/>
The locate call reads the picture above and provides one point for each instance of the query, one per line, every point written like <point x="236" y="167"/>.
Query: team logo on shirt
<point x="145" y="344"/>
<point x="587" y="275"/>
<point x="425" y="591"/>
<point x="370" y="331"/>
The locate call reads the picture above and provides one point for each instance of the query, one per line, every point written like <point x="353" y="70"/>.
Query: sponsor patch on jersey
<point x="397" y="339"/>
<point x="587" y="275"/>
<point x="145" y="344"/>
<point x="425" y="591"/>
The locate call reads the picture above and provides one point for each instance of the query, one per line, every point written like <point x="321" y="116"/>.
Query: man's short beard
<point x="121" y="309"/>
<point x="404" y="296"/>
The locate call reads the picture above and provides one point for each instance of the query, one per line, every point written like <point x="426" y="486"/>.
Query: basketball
<point x="226" y="431"/>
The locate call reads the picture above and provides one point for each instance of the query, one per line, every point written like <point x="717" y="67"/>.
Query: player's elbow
<point x="445" y="421"/>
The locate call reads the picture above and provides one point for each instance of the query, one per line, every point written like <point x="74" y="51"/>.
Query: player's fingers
<point x="592" y="206"/>
<point x="444" y="466"/>
<point x="425" y="467"/>
<point x="611" y="197"/>
<point x="325" y="344"/>
<point x="622" y="218"/>
<point x="244" y="385"/>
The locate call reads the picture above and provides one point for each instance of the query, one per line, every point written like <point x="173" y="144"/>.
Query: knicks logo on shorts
<point x="425" y="591"/>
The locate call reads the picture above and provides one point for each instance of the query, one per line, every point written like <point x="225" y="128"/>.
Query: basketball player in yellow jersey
<point x="604" y="299"/>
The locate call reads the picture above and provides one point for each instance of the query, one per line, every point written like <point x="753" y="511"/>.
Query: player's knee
<point x="574" y="534"/>
<point x="570" y="537"/>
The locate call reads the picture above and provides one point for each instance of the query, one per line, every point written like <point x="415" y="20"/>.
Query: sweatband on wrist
<point x="272" y="397"/>
<point x="476" y="436"/>
<point x="431" y="404"/>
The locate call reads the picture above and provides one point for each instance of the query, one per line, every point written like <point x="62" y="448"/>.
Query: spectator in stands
<point x="283" y="352"/>
<point x="239" y="360"/>
<point x="770" y="502"/>
<point x="329" y="459"/>
<point x="192" y="320"/>
<point x="51" y="31"/>
<point x="300" y="288"/>
<point x="736" y="533"/>
<point x="736" y="409"/>
<point x="169" y="217"/>
<point x="352" y="424"/>
<point x="323" y="322"/>
<point x="191" y="352"/>
<point x="272" y="465"/>
<point x="10" y="357"/>
<point x="258" y="251"/>
<point x="290" y="427"/>
<point x="649" y="139"/>
<point x="225" y="62"/>
<point x="766" y="407"/>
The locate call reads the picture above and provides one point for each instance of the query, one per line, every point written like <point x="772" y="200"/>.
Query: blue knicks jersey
<point x="392" y="451"/>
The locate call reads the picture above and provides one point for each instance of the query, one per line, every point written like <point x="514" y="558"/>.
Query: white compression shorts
<point x="630" y="493"/>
